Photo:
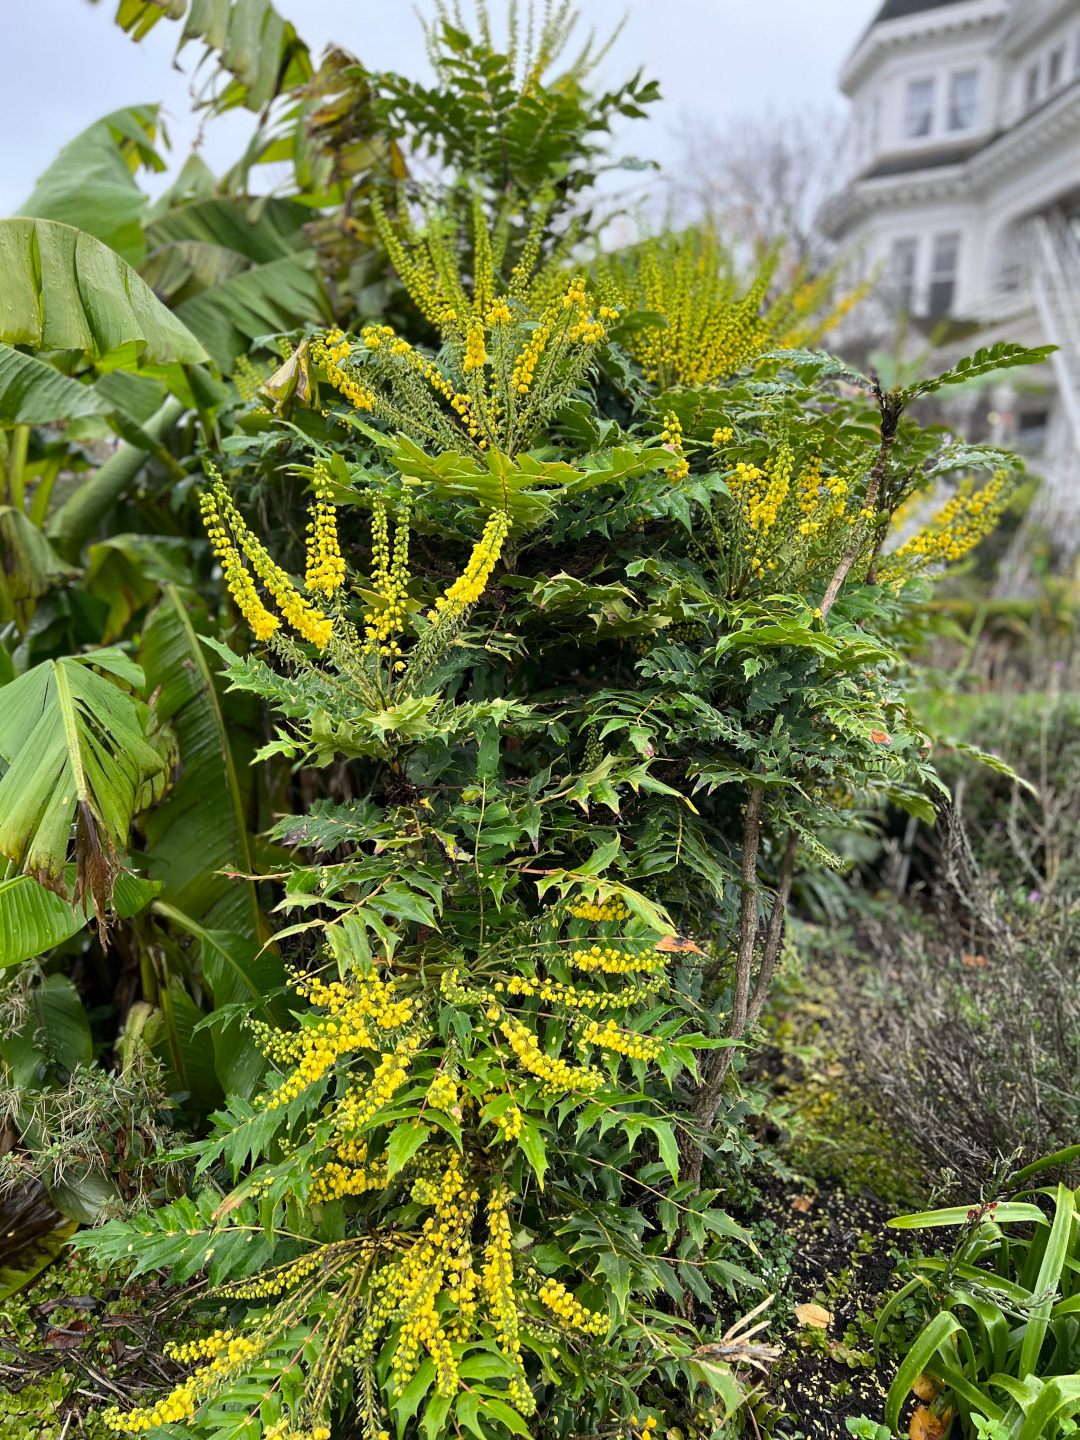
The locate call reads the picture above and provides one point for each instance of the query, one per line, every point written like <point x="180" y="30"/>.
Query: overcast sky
<point x="66" y="64"/>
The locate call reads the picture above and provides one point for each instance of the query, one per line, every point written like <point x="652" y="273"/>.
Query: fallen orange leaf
<point x="925" y="1425"/>
<point x="973" y="962"/>
<point x="803" y="1203"/>
<point x="925" y="1388"/>
<point x="815" y="1316"/>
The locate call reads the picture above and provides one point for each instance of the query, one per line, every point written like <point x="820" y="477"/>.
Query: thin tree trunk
<point x="745" y="1015"/>
<point x="774" y="931"/>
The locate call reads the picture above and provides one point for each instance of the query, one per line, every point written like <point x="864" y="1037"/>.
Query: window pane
<point x="1031" y="85"/>
<point x="919" y="112"/>
<point x="963" y="99"/>
<point x="943" y="273"/>
<point x="905" y="254"/>
<point x="1057" y="65"/>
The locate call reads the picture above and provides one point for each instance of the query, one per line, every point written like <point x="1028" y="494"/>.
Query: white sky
<point x="66" y="64"/>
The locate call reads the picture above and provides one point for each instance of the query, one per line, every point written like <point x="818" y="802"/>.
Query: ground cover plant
<point x="414" y="731"/>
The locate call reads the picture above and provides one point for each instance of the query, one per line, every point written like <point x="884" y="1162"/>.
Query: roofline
<point x="885" y="35"/>
<point x="1025" y="25"/>
<point x="963" y="181"/>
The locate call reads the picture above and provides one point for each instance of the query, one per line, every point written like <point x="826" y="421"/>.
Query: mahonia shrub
<point x="696" y="322"/>
<point x="607" y="660"/>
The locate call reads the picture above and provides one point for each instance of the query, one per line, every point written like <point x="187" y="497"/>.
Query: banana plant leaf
<point x="91" y="185"/>
<point x="185" y="1051"/>
<point x="33" y="393"/>
<point x="183" y="268"/>
<point x="62" y="289"/>
<point x="81" y="513"/>
<point x="255" y="46"/>
<point x="127" y="572"/>
<point x="30" y="564"/>
<point x="138" y="17"/>
<point x="269" y="233"/>
<point x="33" y="919"/>
<point x="79" y="760"/>
<point x="199" y="833"/>
<point x="244" y="977"/>
<point x="277" y="296"/>
<point x="53" y="1041"/>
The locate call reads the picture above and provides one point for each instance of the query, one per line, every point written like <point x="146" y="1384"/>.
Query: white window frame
<point x="905" y="249"/>
<point x="925" y="115"/>
<point x="955" y="78"/>
<point x="939" y="277"/>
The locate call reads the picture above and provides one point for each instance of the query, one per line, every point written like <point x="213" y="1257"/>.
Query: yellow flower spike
<point x="468" y="588"/>
<point x="325" y="567"/>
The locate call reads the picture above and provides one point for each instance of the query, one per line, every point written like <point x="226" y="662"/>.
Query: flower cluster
<point x="325" y="567"/>
<point x="389" y="580"/>
<point x="329" y="351"/>
<point x="405" y="1292"/>
<point x="711" y="329"/>
<point x="469" y="586"/>
<point x="612" y="961"/>
<point x="570" y="1310"/>
<point x="231" y="539"/>
<point x="442" y="1093"/>
<point x="623" y="1042"/>
<point x="497" y="1285"/>
<point x="227" y="1355"/>
<point x="358" y="1012"/>
<point x="605" y="910"/>
<point x="557" y="1075"/>
<point x="952" y="533"/>
<point x="672" y="437"/>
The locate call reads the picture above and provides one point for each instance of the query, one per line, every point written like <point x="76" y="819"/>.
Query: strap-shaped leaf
<point x="78" y="764"/>
<point x="276" y="296"/>
<point x="138" y="17"/>
<point x="255" y="45"/>
<point x="1053" y="1262"/>
<point x="268" y="233"/>
<point x="91" y="185"/>
<point x="200" y="830"/>
<point x="33" y="393"/>
<point x="33" y="919"/>
<point x="61" y="289"/>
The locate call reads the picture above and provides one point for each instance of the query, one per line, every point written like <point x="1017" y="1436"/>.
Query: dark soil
<point x="831" y="1250"/>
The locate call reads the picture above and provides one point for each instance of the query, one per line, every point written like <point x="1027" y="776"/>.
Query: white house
<point x="964" y="193"/>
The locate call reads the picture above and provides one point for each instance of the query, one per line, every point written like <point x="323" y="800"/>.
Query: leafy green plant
<point x="999" y="1343"/>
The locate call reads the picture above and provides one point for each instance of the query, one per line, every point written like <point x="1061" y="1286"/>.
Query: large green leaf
<point x="54" y="1037"/>
<point x="62" y="289"/>
<point x="138" y="17"/>
<point x="33" y="919"/>
<point x="91" y="186"/>
<point x="33" y="393"/>
<point x="81" y="513"/>
<point x="277" y="296"/>
<point x="186" y="1052"/>
<point x="183" y="268"/>
<point x="79" y="763"/>
<point x="262" y="233"/>
<point x="239" y="972"/>
<point x="200" y="829"/>
<point x="30" y="564"/>
<point x="255" y="46"/>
